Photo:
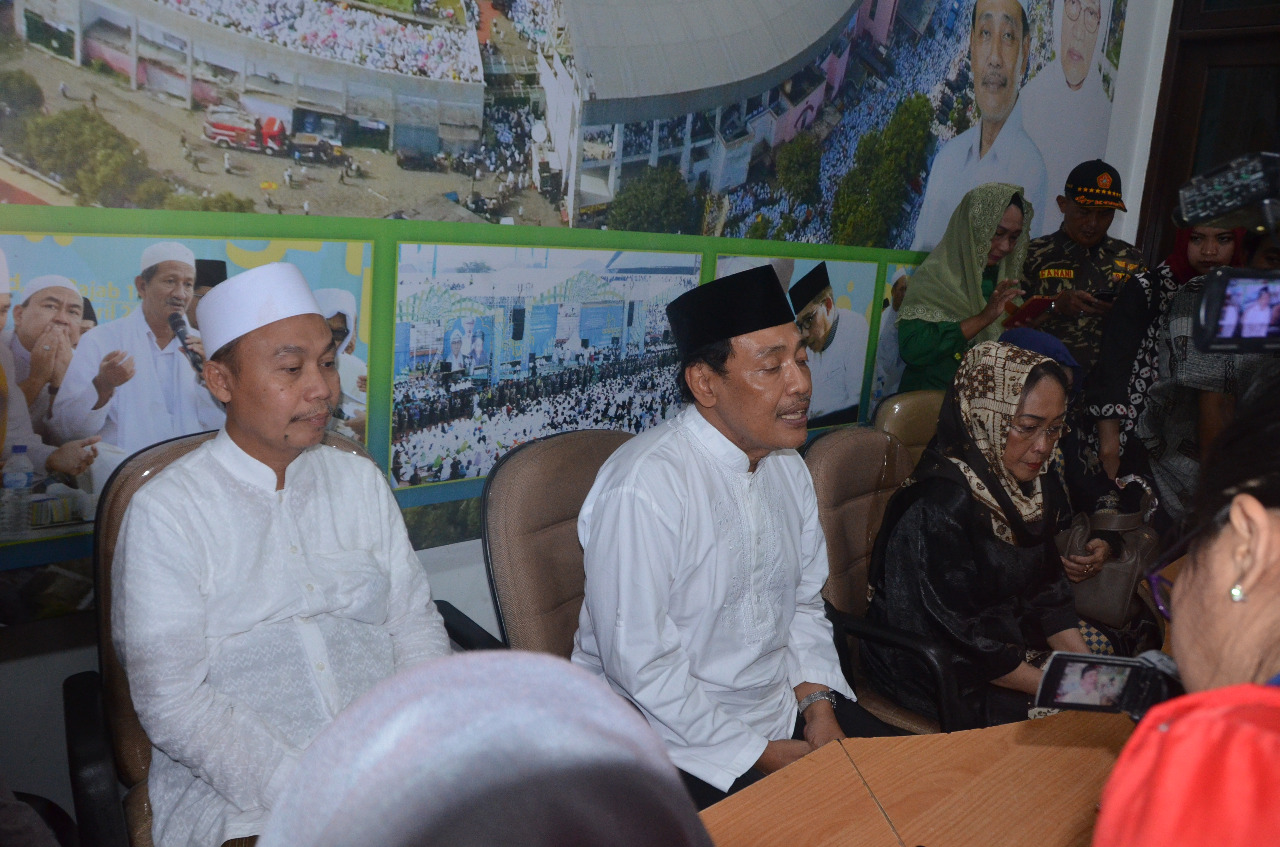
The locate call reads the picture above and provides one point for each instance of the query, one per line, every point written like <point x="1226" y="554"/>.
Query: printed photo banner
<point x="449" y="318"/>
<point x="836" y="326"/>
<point x="85" y="311"/>
<point x="496" y="346"/>
<point x="407" y="110"/>
<point x="887" y="373"/>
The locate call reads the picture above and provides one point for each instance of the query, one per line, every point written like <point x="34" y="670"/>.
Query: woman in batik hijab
<point x="965" y="556"/>
<point x="961" y="289"/>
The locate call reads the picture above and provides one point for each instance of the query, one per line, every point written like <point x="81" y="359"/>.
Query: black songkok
<point x="810" y="286"/>
<point x="210" y="272"/>
<point x="734" y="305"/>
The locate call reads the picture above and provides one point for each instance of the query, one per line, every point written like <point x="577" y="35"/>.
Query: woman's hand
<point x="1080" y="568"/>
<point x="1006" y="291"/>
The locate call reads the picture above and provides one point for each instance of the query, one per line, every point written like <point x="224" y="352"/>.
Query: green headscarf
<point x="947" y="287"/>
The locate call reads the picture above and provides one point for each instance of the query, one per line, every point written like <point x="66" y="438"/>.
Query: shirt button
<point x="293" y="548"/>
<point x="320" y="666"/>
<point x="310" y="587"/>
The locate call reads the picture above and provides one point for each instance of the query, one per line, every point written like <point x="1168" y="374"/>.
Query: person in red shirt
<point x="1205" y="768"/>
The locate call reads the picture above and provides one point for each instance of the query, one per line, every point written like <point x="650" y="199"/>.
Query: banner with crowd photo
<point x="80" y="314"/>
<point x="499" y="345"/>
<point x="857" y="123"/>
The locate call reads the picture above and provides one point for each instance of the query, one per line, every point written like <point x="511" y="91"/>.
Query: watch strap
<point x="825" y="694"/>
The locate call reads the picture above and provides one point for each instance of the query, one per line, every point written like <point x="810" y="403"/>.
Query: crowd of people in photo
<point x="637" y="138"/>
<point x="533" y="19"/>
<point x="507" y="151"/>
<point x="348" y="34"/>
<point x="446" y="429"/>
<point x="671" y="133"/>
<point x="920" y="67"/>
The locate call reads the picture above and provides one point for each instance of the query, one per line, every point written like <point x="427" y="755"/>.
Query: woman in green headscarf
<point x="957" y="294"/>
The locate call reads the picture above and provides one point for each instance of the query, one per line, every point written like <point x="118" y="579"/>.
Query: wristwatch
<point x="825" y="694"/>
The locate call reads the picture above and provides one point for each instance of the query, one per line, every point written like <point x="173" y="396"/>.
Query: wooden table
<point x="819" y="800"/>
<point x="1035" y="783"/>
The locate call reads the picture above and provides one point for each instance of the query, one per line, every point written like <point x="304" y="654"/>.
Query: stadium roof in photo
<point x="652" y="59"/>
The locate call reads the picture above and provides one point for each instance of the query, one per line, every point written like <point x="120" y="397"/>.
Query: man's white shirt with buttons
<point x="703" y="593"/>
<point x="247" y="618"/>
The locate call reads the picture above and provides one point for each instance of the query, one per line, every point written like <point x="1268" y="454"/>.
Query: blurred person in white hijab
<point x="485" y="748"/>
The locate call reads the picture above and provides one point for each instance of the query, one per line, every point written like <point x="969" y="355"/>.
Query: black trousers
<point x="855" y="722"/>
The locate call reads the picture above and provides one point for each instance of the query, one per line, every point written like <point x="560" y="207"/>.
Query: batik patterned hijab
<point x="972" y="430"/>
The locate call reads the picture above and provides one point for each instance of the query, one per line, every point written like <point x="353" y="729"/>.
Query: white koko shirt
<point x="163" y="400"/>
<point x="703" y="602"/>
<point x="247" y="618"/>
<point x="19" y="429"/>
<point x="960" y="167"/>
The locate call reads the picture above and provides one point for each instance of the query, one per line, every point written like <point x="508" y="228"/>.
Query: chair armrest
<point x="937" y="659"/>
<point x="465" y="632"/>
<point x="94" y="788"/>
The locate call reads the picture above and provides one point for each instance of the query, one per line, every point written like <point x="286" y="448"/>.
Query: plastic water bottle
<point x="15" y="516"/>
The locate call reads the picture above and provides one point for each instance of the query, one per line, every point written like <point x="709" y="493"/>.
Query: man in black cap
<point x="209" y="272"/>
<point x="1080" y="266"/>
<point x="837" y="343"/>
<point x="705" y="560"/>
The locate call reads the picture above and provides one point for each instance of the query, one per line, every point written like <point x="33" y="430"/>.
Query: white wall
<point x="1133" y="111"/>
<point x="456" y="573"/>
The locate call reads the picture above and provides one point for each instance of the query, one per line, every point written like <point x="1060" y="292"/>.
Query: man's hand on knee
<point x="820" y="724"/>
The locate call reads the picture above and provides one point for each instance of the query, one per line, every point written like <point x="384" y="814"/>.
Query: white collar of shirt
<point x="243" y="466"/>
<point x="714" y="441"/>
<point x="155" y="347"/>
<point x="1012" y="126"/>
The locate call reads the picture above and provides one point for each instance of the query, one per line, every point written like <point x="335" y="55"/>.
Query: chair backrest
<point x="529" y="516"/>
<point x="130" y="746"/>
<point x="855" y="471"/>
<point x="912" y="418"/>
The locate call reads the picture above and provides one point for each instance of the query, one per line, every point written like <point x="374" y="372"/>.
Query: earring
<point x="1237" y="593"/>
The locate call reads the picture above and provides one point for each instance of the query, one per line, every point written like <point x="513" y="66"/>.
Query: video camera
<point x="1097" y="683"/>
<point x="1240" y="309"/>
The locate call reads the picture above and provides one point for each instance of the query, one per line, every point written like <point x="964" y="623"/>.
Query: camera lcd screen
<point x="1091" y="684"/>
<point x="1250" y="309"/>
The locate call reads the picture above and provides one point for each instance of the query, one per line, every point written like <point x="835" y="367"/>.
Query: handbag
<point x="1107" y="597"/>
